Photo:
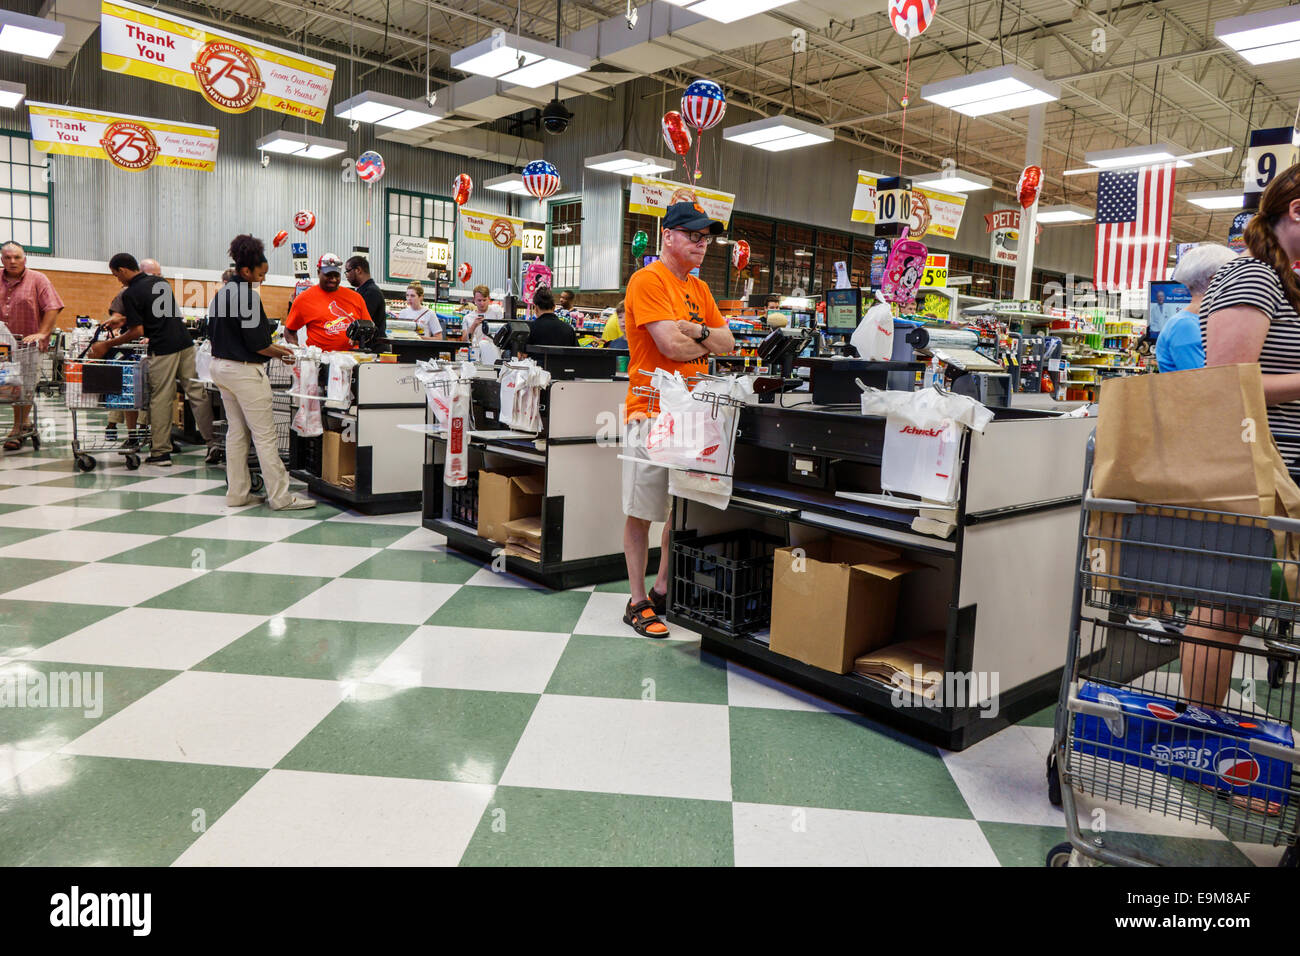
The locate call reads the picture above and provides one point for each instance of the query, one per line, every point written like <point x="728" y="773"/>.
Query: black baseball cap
<point x="691" y="216"/>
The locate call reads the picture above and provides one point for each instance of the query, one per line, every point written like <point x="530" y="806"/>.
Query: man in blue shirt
<point x="1179" y="347"/>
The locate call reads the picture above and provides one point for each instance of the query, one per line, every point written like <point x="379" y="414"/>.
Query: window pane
<point x="394" y="225"/>
<point x="22" y="231"/>
<point x="6" y="229"/>
<point x="40" y="209"/>
<point x="4" y="148"/>
<point x="17" y="150"/>
<point x="20" y="176"/>
<point x="5" y="208"/>
<point x="37" y="180"/>
<point x="393" y="204"/>
<point x="406" y="205"/>
<point x="428" y="209"/>
<point x="22" y="206"/>
<point x="41" y="235"/>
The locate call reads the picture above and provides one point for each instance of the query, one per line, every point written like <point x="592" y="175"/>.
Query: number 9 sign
<point x="1271" y="152"/>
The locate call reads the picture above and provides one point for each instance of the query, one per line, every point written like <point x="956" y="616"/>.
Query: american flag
<point x="1134" y="213"/>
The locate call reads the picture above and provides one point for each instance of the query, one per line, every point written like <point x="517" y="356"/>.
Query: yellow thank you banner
<point x="502" y="231"/>
<point x="652" y="197"/>
<point x="128" y="142"/>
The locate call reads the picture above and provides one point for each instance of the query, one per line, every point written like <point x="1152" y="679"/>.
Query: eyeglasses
<point x="695" y="238"/>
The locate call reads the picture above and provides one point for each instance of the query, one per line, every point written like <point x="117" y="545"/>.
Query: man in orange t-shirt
<point x="325" y="310"/>
<point x="673" y="323"/>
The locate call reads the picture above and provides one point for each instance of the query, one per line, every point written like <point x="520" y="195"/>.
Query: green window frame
<point x="26" y="194"/>
<point x="429" y="215"/>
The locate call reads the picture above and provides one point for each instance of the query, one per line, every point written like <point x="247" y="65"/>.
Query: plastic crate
<point x="724" y="580"/>
<point x="464" y="502"/>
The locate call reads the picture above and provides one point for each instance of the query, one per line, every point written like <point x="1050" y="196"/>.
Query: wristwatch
<point x="704" y="333"/>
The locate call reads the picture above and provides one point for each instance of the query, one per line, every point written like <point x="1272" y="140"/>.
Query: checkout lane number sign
<point x="936" y="272"/>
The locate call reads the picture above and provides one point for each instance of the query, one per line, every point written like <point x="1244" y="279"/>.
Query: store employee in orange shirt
<point x="325" y="310"/>
<point x="673" y="324"/>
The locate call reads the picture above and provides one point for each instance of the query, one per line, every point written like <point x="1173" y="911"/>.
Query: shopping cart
<point x="101" y="385"/>
<point x="21" y="360"/>
<point x="281" y="379"/>
<point x="50" y="378"/>
<point x="1167" y="717"/>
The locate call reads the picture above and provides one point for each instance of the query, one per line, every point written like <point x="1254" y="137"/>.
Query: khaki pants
<point x="246" y="395"/>
<point x="164" y="370"/>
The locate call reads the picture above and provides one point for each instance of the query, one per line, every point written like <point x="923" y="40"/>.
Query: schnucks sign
<point x="132" y="143"/>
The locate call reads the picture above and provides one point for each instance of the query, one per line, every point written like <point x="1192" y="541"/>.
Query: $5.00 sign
<point x="936" y="272"/>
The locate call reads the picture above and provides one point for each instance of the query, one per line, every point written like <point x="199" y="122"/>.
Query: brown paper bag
<point x="1196" y="439"/>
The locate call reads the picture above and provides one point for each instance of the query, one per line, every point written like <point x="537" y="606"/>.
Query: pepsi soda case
<point x="1185" y="741"/>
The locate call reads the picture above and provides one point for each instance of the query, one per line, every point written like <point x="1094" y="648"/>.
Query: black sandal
<point x="15" y="443"/>
<point x="643" y="619"/>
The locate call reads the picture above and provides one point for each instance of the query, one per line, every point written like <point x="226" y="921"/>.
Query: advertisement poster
<point x="945" y="208"/>
<point x="408" y="257"/>
<point x="132" y="143"/>
<point x="1164" y="301"/>
<point x="232" y="73"/>
<point x="1003" y="227"/>
<point x="652" y="197"/>
<point x="502" y="231"/>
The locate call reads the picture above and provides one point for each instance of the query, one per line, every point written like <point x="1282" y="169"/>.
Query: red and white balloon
<point x="304" y="220"/>
<point x="1030" y="185"/>
<point x="461" y="188"/>
<point x="703" y="104"/>
<point x="464" y="272"/>
<point x="910" y="18"/>
<point x="280" y="238"/>
<point x="740" y="254"/>
<point x="676" y="135"/>
<point x="541" y="179"/>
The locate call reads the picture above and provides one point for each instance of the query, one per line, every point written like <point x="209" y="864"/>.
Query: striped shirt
<point x="1251" y="283"/>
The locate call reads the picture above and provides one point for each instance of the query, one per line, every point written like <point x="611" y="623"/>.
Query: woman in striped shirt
<point x="1251" y="313"/>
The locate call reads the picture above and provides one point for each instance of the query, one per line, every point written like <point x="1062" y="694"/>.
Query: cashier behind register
<point x="358" y="272"/>
<point x="325" y="310"/>
<point x="673" y="324"/>
<point x="477" y="319"/>
<point x="548" y="328"/>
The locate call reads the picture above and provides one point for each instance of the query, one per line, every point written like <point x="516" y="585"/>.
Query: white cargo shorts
<point x="645" y="486"/>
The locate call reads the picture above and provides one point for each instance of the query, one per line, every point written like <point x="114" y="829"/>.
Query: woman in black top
<point x="240" y="334"/>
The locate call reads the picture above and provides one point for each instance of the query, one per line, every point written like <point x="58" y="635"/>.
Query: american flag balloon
<point x="703" y="104"/>
<point x="370" y="166"/>
<point x="909" y="18"/>
<point x="541" y="179"/>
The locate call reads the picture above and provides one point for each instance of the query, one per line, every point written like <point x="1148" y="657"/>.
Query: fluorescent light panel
<point x="300" y="145"/>
<point x="1131" y="156"/>
<point x="954" y="181"/>
<point x="384" y="110"/>
<point x="626" y="162"/>
<point x="509" y="183"/>
<point x="1065" y="213"/>
<point x="30" y="36"/>
<point x="11" y="94"/>
<point x="1269" y="36"/>
<point x="728" y="11"/>
<point x="777" y="133"/>
<point x="1217" y="199"/>
<point x="499" y="57"/>
<point x="992" y="91"/>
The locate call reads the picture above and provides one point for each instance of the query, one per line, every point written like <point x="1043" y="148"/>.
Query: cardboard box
<point x="505" y="496"/>
<point x="524" y="538"/>
<point x="835" y="602"/>
<point x="338" y="458"/>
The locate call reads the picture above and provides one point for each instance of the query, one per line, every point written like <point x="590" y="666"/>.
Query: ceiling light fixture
<point x="953" y="181"/>
<point x="384" y="110"/>
<point x="519" y="60"/>
<point x="992" y="91"/>
<point x="1069" y="212"/>
<point x="1217" y="199"/>
<point x="30" y="36"/>
<point x="512" y="183"/>
<point x="11" y="94"/>
<point x="777" y="134"/>
<point x="625" y="162"/>
<point x="1131" y="156"/>
<point x="728" y="11"/>
<point x="1268" y="36"/>
<point x="1180" y="162"/>
<point x="300" y="145"/>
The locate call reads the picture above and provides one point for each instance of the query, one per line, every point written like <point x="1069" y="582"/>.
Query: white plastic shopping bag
<point x="338" y="388"/>
<point x="695" y="433"/>
<point x="306" y="374"/>
<point x="923" y="435"/>
<point x="437" y="382"/>
<point x="874" y="336"/>
<point x="455" y="472"/>
<point x="203" y="361"/>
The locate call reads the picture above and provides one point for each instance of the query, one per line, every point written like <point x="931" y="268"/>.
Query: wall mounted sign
<point x="132" y="143"/>
<point x="232" y="73"/>
<point x="945" y="209"/>
<point x="652" y="197"/>
<point x="502" y="231"/>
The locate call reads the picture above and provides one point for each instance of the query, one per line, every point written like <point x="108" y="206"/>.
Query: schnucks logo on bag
<point x="457" y="435"/>
<point x="1237" y="767"/>
<point x="708" y="452"/>
<point x="927" y="432"/>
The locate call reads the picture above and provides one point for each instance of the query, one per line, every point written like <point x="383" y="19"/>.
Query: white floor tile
<point x="198" y="505"/>
<point x="404" y="519"/>
<point x="604" y="615"/>
<point x="56" y="519"/>
<point x="653" y="748"/>
<point x="110" y="585"/>
<point x="749" y="688"/>
<point x="237" y="720"/>
<point x="296" y="818"/>
<point x="174" y="484"/>
<point x="487" y="578"/>
<point x="42" y="494"/>
<point x="248" y="529"/>
<point x="29" y="476"/>
<point x="767" y="835"/>
<point x="303" y="559"/>
<point x="150" y="637"/>
<point x="1262" y="855"/>
<point x="421" y="539"/>
<point x="384" y="602"/>
<point x="13" y="762"/>
<point x="76" y="545"/>
<point x="471" y="658"/>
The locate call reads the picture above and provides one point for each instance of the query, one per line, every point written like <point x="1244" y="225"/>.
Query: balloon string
<point x="902" y="136"/>
<point x="698" y="138"/>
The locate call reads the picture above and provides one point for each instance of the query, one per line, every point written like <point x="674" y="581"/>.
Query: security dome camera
<point x="555" y="118"/>
<point x="266" y="160"/>
<point x="431" y="99"/>
<point x="631" y="16"/>
<point x="354" y="126"/>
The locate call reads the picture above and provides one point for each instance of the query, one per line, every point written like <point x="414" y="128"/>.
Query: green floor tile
<point x="92" y="479"/>
<point x="149" y="522"/>
<point x="1044" y="718"/>
<point x="127" y="500"/>
<point x="103" y="811"/>
<point x="620" y="666"/>
<point x="321" y="512"/>
<point x="526" y="827"/>
<point x="55" y="460"/>
<point x="238" y="592"/>
<point x="47" y="727"/>
<point x="10" y="536"/>
<point x="324" y="650"/>
<point x="519" y="609"/>
<point x="5" y="508"/>
<point x="436" y="567"/>
<point x="837" y="762"/>
<point x="180" y="553"/>
<point x="27" y="625"/>
<point x="1016" y="844"/>
<point x="355" y="534"/>
<point x="422" y="732"/>
<point x="19" y="572"/>
<point x="1022" y="845"/>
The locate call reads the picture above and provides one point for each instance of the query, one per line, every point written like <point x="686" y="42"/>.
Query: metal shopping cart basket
<point x="94" y="386"/>
<point x="50" y="379"/>
<point x="19" y="371"/>
<point x="281" y="380"/>
<point x="1159" y="708"/>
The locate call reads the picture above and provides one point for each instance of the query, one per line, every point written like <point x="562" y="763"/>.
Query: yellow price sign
<point x="936" y="273"/>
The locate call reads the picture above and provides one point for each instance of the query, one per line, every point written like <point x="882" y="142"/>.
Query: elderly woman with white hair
<point x="1179" y="347"/>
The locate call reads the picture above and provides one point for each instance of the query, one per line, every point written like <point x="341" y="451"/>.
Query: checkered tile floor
<point x="331" y="688"/>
